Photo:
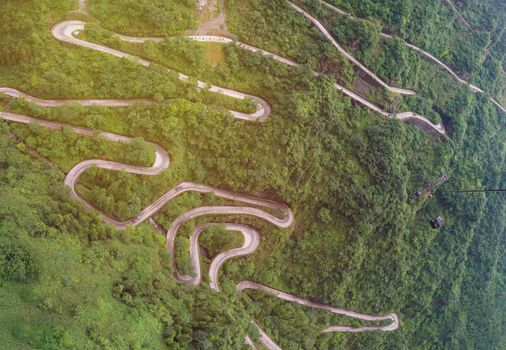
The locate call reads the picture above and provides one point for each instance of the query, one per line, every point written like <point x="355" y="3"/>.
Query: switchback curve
<point x="250" y="235"/>
<point x="438" y="63"/>
<point x="437" y="129"/>
<point x="162" y="162"/>
<point x="251" y="242"/>
<point x="350" y="57"/>
<point x="64" y="32"/>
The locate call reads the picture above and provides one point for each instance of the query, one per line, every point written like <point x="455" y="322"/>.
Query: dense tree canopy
<point x="360" y="240"/>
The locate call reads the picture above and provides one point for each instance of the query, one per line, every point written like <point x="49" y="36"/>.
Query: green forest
<point x="360" y="240"/>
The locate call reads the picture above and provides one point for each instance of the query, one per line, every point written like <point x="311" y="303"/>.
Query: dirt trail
<point x="64" y="31"/>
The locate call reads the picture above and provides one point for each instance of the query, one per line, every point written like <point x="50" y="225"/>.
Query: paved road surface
<point x="438" y="129"/>
<point x="64" y="32"/>
<point x="82" y="102"/>
<point x="425" y="54"/>
<point x="315" y="305"/>
<point x="349" y="56"/>
<point x="265" y="340"/>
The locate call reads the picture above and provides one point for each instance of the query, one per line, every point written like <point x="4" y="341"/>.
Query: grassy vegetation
<point x="66" y="148"/>
<point x="477" y="53"/>
<point x="214" y="53"/>
<point x="275" y="27"/>
<point x="360" y="241"/>
<point x="151" y="17"/>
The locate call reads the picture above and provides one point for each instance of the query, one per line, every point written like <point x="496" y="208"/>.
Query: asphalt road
<point x="64" y="31"/>
<point x="350" y="57"/>
<point x="405" y="116"/>
<point x="426" y="54"/>
<point x="315" y="305"/>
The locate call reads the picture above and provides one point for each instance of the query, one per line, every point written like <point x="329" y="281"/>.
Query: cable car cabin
<point x="437" y="222"/>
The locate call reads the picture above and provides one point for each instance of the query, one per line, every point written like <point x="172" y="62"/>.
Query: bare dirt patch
<point x="212" y="18"/>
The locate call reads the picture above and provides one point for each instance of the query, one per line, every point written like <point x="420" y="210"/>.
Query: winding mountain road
<point x="64" y="32"/>
<point x="426" y="124"/>
<point x="350" y="57"/>
<point x="83" y="102"/>
<point x="162" y="161"/>
<point x="424" y="53"/>
<point x="251" y="236"/>
<point x="315" y="305"/>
